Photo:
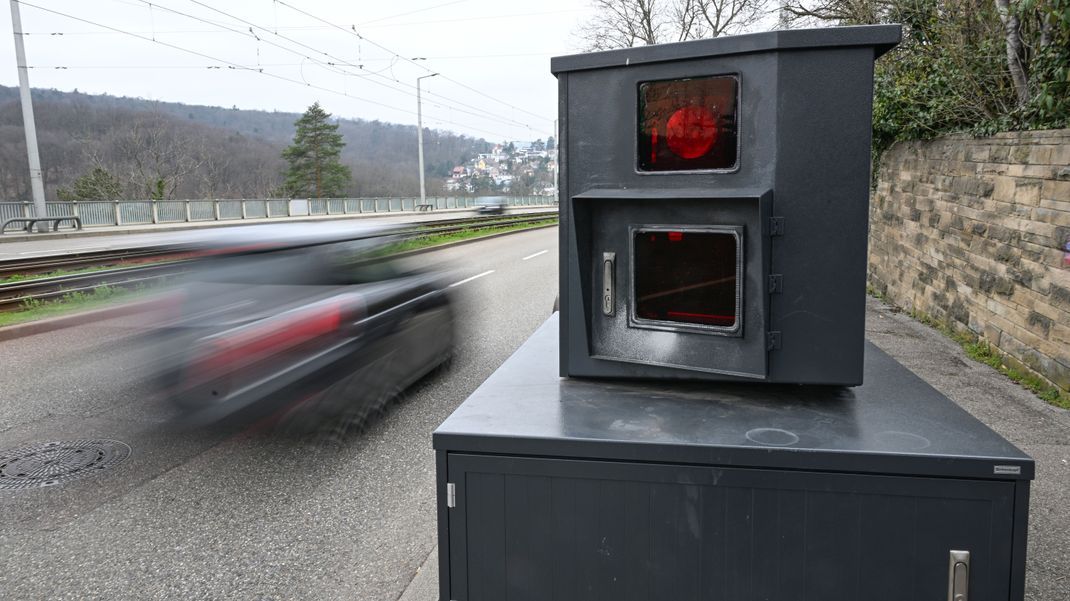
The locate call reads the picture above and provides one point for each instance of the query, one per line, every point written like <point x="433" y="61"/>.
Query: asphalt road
<point x="219" y="514"/>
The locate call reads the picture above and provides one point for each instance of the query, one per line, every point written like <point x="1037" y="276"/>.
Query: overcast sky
<point x="493" y="57"/>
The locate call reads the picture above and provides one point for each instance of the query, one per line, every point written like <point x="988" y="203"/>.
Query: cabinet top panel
<point x="894" y="423"/>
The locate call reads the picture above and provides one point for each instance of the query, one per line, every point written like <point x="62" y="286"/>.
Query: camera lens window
<point x="687" y="277"/>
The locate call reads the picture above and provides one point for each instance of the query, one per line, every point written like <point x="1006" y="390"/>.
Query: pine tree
<point x="98" y="184"/>
<point x="315" y="168"/>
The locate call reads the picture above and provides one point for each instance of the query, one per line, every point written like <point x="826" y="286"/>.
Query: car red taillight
<point x="227" y="352"/>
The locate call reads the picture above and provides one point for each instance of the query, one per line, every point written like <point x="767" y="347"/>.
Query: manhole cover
<point x="52" y="463"/>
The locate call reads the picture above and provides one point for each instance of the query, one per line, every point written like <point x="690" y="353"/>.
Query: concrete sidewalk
<point x="1039" y="429"/>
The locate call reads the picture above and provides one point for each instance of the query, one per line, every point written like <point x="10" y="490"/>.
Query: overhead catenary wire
<point x="409" y="60"/>
<point x="339" y="63"/>
<point x="239" y="67"/>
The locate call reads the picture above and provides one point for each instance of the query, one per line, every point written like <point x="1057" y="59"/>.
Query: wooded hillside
<point x="202" y="151"/>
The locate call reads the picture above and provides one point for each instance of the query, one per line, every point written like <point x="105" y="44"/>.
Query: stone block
<point x="1040" y="171"/>
<point x="1023" y="277"/>
<point x="1039" y="323"/>
<point x="1027" y="192"/>
<point x="1053" y="189"/>
<point x="1060" y="155"/>
<point x="1060" y="297"/>
<point x="1007" y="255"/>
<point x="1051" y="217"/>
<point x="1000" y="154"/>
<point x="1038" y="231"/>
<point x="1040" y="155"/>
<point x="1056" y="205"/>
<point x="1003" y="188"/>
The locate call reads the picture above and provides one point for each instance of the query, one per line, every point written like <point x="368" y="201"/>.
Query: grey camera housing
<point x="796" y="199"/>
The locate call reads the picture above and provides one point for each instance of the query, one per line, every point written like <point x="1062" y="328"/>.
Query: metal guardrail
<point x="27" y="224"/>
<point x="145" y="212"/>
<point x="14" y="294"/>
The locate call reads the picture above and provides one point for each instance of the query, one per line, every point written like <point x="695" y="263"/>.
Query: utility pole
<point x="420" y="135"/>
<point x="37" y="185"/>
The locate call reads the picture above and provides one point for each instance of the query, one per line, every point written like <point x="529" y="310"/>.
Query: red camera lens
<point x="691" y="132"/>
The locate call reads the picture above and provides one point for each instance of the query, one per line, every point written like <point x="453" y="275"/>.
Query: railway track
<point x="149" y="265"/>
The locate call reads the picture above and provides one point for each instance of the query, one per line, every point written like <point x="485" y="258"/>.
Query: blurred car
<point x="312" y="321"/>
<point x="490" y="206"/>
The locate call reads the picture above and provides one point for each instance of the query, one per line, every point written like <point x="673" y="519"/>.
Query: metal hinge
<point x="776" y="226"/>
<point x="451" y="494"/>
<point x="776" y="283"/>
<point x="772" y="341"/>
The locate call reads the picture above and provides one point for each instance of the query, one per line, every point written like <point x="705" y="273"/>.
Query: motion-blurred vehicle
<point x="490" y="206"/>
<point x="314" y="322"/>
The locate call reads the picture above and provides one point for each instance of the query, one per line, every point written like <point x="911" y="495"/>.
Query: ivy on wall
<point x="953" y="72"/>
<point x="978" y="66"/>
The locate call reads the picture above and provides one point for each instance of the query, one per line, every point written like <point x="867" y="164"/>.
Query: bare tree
<point x="712" y="18"/>
<point x="842" y="12"/>
<point x="623" y="24"/>
<point x="156" y="157"/>
<point x="1016" y="58"/>
<point x="627" y="23"/>
<point x="961" y="23"/>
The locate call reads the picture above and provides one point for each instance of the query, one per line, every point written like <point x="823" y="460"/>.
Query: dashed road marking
<point x="541" y="252"/>
<point x="466" y="280"/>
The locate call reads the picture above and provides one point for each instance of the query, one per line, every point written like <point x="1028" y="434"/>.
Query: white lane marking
<point x="466" y="280"/>
<point x="46" y="253"/>
<point x="541" y="252"/>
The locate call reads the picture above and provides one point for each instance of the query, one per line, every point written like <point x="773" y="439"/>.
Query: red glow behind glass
<point x="691" y="132"/>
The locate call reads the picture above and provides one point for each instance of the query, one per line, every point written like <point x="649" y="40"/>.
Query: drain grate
<point x="52" y="463"/>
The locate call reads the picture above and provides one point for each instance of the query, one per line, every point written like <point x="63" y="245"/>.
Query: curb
<point x="424" y="583"/>
<point x="51" y="324"/>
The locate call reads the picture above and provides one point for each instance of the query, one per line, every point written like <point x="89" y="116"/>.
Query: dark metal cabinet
<point x="580" y="490"/>
<point x="540" y="529"/>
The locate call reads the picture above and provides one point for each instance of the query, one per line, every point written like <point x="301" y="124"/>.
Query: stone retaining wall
<point x="975" y="233"/>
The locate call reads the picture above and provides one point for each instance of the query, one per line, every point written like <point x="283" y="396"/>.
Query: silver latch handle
<point x="958" y="576"/>
<point x="609" y="296"/>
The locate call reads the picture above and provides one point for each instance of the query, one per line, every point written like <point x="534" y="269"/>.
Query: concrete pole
<point x="420" y="135"/>
<point x="37" y="185"/>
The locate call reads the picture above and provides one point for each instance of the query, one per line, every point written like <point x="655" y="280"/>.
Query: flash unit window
<point x="688" y="124"/>
<point x="688" y="277"/>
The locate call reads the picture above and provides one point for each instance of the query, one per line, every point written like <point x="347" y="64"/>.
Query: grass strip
<point x="22" y="277"/>
<point x="436" y="239"/>
<point x="981" y="351"/>
<point x="32" y="310"/>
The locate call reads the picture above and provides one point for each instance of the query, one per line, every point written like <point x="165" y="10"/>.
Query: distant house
<point x="459" y="172"/>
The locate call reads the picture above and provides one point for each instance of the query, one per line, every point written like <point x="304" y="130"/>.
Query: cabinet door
<point x="570" y="530"/>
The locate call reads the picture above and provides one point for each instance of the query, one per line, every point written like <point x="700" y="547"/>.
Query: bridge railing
<point x="143" y="212"/>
